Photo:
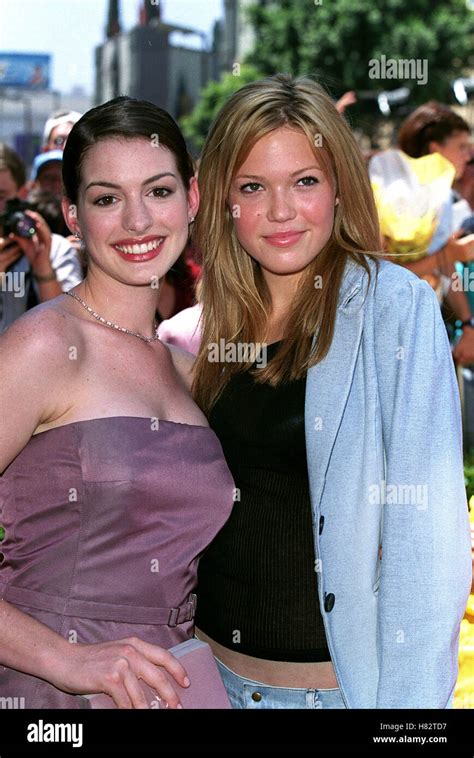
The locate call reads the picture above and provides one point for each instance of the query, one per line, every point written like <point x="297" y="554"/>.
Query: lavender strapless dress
<point x="105" y="521"/>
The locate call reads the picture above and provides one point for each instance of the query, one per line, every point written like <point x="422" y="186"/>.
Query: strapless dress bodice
<point x="105" y="520"/>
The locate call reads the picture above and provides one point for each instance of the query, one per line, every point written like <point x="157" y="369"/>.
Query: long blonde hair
<point x="234" y="295"/>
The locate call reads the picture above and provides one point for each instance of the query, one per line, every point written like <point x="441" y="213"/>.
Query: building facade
<point x="146" y="63"/>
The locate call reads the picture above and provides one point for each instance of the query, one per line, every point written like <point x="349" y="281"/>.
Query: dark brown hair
<point x="128" y="118"/>
<point x="431" y="122"/>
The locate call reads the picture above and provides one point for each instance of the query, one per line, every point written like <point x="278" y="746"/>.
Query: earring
<point x="191" y="219"/>
<point x="80" y="239"/>
<point x="336" y="201"/>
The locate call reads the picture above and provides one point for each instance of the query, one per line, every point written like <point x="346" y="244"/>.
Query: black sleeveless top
<point x="257" y="586"/>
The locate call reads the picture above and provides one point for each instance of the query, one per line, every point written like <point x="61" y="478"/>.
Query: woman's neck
<point x="282" y="289"/>
<point x="127" y="305"/>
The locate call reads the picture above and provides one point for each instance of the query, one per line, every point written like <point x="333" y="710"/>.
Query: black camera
<point x="13" y="219"/>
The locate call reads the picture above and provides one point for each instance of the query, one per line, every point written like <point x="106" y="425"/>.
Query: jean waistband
<point x="245" y="679"/>
<point x="133" y="614"/>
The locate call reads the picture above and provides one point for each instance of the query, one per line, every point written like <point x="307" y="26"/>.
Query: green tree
<point x="213" y="96"/>
<point x="335" y="40"/>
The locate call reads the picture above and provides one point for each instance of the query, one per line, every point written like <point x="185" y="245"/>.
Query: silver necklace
<point x="111" y="323"/>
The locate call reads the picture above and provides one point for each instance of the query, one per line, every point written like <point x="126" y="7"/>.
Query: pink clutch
<point x="205" y="691"/>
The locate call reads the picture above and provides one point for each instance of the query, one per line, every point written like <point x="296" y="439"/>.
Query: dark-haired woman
<point x="113" y="484"/>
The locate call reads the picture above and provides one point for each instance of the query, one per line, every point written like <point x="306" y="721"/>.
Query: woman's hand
<point x="460" y="249"/>
<point x="348" y="98"/>
<point x="463" y="352"/>
<point x="115" y="668"/>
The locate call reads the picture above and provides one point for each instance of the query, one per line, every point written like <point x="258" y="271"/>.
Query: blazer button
<point x="329" y="600"/>
<point x="321" y="524"/>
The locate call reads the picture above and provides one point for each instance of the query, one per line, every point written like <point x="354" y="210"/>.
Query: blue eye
<point x="253" y="185"/>
<point x="311" y="179"/>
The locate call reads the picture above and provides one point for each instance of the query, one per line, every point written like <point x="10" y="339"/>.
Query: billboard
<point x="25" y="70"/>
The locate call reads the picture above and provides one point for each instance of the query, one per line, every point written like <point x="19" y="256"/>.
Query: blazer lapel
<point x="328" y="382"/>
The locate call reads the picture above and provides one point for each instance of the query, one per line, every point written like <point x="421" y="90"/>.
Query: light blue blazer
<point x="385" y="463"/>
<point x="383" y="407"/>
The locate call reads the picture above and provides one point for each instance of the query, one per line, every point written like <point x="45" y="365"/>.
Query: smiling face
<point x="282" y="203"/>
<point x="133" y="209"/>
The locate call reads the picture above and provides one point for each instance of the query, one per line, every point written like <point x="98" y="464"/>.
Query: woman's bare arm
<point x="34" y="371"/>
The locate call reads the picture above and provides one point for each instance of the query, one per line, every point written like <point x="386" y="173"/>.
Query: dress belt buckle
<point x="193" y="602"/>
<point x="173" y="617"/>
<point x="189" y="611"/>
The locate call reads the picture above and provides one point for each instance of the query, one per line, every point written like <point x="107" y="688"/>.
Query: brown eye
<point x="101" y="200"/>
<point x="162" y="191"/>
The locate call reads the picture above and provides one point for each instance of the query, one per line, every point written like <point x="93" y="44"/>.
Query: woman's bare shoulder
<point x="36" y="374"/>
<point x="43" y="334"/>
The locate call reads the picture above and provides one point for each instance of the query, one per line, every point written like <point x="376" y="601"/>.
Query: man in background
<point x="46" y="172"/>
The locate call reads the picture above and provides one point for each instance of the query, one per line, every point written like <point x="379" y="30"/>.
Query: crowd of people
<point x="299" y="508"/>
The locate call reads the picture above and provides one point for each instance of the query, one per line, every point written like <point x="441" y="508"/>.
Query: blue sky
<point x="70" y="30"/>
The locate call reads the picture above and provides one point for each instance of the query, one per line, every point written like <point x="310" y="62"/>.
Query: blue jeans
<point x="248" y="693"/>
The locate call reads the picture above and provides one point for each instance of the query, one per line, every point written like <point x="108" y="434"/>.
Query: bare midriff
<point x="274" y="673"/>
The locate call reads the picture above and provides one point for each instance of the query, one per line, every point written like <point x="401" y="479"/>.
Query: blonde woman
<point x="341" y="578"/>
